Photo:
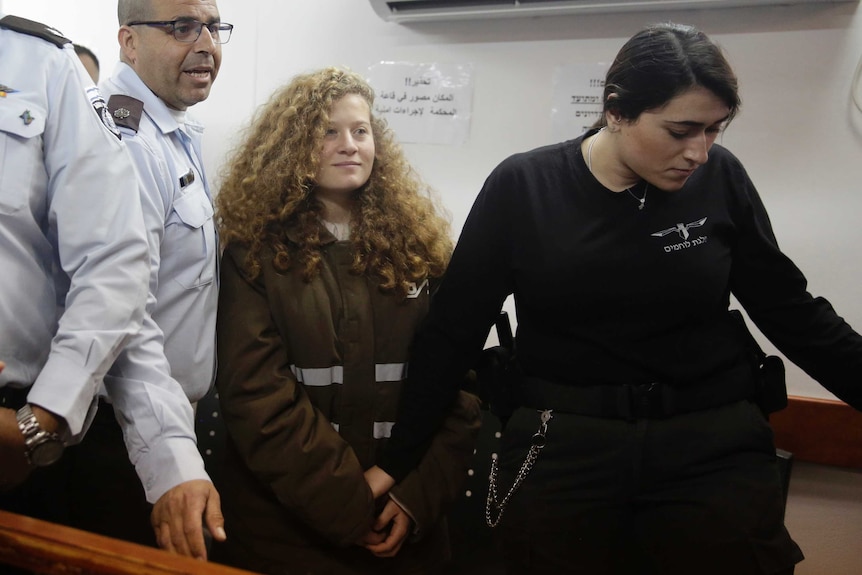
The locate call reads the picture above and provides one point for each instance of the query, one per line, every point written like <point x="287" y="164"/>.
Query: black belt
<point x="644" y="401"/>
<point x="13" y="397"/>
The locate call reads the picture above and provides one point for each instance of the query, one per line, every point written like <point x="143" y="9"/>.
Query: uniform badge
<point x="188" y="179"/>
<point x="127" y="111"/>
<point x="27" y="117"/>
<point x="4" y="89"/>
<point x="101" y="109"/>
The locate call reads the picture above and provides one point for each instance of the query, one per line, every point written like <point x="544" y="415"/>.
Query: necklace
<point x="641" y="200"/>
<point x="590" y="168"/>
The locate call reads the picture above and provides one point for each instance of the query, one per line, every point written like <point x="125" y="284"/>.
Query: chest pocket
<point x="189" y="247"/>
<point x="22" y="124"/>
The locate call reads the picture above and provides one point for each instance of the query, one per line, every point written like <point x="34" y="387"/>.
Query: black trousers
<point x="694" y="493"/>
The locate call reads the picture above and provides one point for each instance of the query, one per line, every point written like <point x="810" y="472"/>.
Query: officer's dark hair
<point x="661" y="62"/>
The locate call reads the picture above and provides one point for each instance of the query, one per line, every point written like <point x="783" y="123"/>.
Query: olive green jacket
<point x="309" y="376"/>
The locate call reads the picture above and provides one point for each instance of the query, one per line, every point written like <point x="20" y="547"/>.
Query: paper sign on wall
<point x="424" y="103"/>
<point x="577" y="99"/>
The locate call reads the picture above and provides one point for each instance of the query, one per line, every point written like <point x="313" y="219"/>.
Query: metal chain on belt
<point x="494" y="508"/>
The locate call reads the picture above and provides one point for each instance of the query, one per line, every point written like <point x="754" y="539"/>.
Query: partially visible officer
<point x="73" y="255"/>
<point x="170" y="53"/>
<point x="81" y="215"/>
<point x="89" y="60"/>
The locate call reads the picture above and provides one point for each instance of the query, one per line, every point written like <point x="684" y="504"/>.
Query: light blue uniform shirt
<point x="73" y="252"/>
<point x="180" y="339"/>
<point x="178" y="213"/>
<point x="65" y="175"/>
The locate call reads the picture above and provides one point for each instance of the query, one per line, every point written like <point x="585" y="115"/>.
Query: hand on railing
<point x="179" y="515"/>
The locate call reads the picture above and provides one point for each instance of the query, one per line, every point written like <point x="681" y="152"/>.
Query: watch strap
<point x="34" y="435"/>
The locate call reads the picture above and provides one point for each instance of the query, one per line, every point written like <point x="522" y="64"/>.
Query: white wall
<point x="798" y="134"/>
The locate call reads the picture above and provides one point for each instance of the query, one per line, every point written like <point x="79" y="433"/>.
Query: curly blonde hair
<point x="398" y="232"/>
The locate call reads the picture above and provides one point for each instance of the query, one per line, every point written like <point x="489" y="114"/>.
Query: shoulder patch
<point x="31" y="28"/>
<point x="126" y="111"/>
<point x="101" y="109"/>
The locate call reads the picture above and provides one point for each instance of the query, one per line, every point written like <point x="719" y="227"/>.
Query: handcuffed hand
<point x="390" y="531"/>
<point x="379" y="481"/>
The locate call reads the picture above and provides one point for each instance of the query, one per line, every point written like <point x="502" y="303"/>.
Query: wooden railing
<point x="51" y="549"/>
<point x="819" y="430"/>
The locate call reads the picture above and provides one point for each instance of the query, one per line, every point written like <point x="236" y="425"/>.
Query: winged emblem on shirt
<point x="681" y="229"/>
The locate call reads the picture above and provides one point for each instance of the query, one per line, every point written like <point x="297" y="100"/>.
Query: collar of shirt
<point x="129" y="83"/>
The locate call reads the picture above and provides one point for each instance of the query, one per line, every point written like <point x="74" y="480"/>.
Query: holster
<point x="498" y="375"/>
<point x="771" y="393"/>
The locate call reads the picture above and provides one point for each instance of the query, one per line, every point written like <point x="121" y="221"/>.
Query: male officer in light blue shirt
<point x="170" y="56"/>
<point x="163" y="70"/>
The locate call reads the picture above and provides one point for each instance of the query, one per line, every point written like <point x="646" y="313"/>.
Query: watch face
<point x="46" y="453"/>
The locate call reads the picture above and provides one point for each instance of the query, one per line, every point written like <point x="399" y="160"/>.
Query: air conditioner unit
<point x="431" y="10"/>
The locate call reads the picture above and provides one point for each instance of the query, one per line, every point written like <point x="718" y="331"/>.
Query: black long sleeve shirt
<point x="607" y="294"/>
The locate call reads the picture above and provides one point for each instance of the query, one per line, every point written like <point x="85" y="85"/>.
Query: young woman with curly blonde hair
<point x="333" y="248"/>
<point x="270" y="185"/>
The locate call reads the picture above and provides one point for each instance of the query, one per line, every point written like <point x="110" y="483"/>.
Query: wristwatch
<point x="41" y="447"/>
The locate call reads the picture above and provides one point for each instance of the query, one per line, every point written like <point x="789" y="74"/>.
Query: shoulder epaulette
<point x="126" y="111"/>
<point x="31" y="28"/>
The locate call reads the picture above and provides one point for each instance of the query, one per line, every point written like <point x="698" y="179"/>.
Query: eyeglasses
<point x="186" y="30"/>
